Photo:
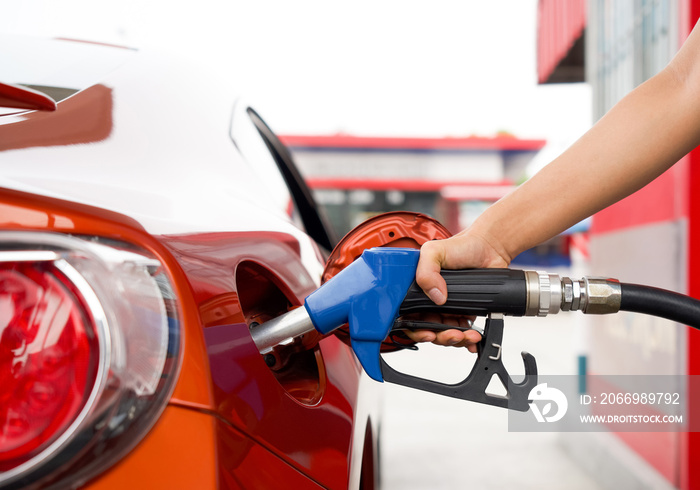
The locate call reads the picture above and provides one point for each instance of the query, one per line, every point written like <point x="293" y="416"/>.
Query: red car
<point x="147" y="220"/>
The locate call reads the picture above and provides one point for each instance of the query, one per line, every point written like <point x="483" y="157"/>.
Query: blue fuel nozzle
<point x="366" y="295"/>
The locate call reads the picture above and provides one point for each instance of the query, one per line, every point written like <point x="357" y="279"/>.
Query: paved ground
<point x="434" y="442"/>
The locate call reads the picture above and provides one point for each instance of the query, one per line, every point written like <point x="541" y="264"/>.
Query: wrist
<point x="499" y="251"/>
<point x="476" y="249"/>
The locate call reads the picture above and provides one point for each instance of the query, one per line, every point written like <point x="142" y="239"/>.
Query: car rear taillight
<point x="89" y="344"/>
<point x="48" y="358"/>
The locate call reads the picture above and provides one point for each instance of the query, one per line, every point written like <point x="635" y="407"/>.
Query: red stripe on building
<point x="450" y="189"/>
<point x="505" y="143"/>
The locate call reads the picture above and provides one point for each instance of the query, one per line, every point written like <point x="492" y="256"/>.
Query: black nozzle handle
<point x="473" y="292"/>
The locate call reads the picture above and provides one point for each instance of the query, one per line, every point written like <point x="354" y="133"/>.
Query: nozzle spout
<point x="281" y="330"/>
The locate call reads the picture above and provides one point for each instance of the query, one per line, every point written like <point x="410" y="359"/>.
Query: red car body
<point x="144" y="158"/>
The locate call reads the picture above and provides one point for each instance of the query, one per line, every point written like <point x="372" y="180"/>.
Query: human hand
<point x="463" y="335"/>
<point x="463" y="251"/>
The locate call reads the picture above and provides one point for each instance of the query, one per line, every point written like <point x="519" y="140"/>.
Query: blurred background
<point x="443" y="107"/>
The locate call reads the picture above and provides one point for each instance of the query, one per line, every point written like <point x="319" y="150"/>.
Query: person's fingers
<point x="424" y="335"/>
<point x="458" y="338"/>
<point x="472" y="336"/>
<point x="421" y="335"/>
<point x="452" y="337"/>
<point x="449" y="337"/>
<point x="432" y="256"/>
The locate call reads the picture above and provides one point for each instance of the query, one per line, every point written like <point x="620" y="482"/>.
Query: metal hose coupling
<point x="549" y="294"/>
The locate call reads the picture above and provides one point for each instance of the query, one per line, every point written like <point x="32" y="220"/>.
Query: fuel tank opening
<point x="297" y="364"/>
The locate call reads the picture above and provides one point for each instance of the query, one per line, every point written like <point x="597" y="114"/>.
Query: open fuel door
<point x="395" y="229"/>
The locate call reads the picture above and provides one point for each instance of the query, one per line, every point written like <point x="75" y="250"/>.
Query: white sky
<point x="366" y="67"/>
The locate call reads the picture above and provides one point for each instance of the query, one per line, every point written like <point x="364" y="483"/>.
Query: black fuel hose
<point x="660" y="302"/>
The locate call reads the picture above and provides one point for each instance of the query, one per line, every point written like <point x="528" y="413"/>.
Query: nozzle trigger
<point x="473" y="387"/>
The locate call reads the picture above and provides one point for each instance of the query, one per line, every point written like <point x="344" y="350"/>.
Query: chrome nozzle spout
<point x="281" y="330"/>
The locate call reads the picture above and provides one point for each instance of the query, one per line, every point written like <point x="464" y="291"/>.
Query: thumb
<point x="432" y="256"/>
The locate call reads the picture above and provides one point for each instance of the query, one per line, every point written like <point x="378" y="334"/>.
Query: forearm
<point x="640" y="138"/>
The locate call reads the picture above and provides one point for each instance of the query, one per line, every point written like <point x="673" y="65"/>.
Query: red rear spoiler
<point x="18" y="97"/>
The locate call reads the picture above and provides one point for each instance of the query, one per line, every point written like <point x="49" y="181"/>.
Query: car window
<point x="273" y="162"/>
<point x="255" y="152"/>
